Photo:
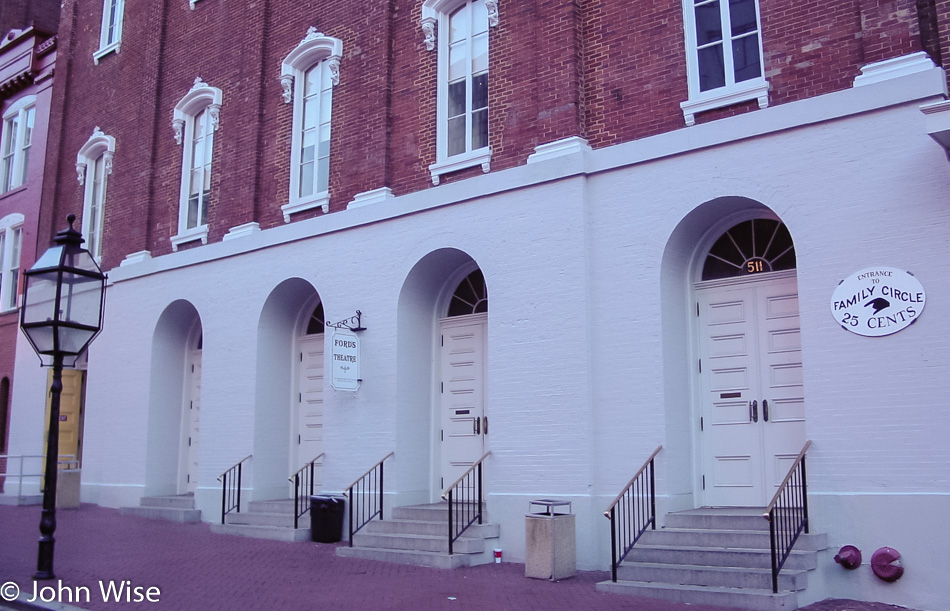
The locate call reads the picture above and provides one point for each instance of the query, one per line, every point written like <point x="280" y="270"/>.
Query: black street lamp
<point x="63" y="297"/>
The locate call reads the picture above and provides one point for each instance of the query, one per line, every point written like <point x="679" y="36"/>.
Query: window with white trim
<point x="196" y="118"/>
<point x="724" y="55"/>
<point x="308" y="75"/>
<point x="15" y="143"/>
<point x="93" y="166"/>
<point x="462" y="103"/>
<point x="11" y="244"/>
<point x="110" y="36"/>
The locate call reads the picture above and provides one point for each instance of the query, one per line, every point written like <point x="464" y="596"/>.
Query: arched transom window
<point x="751" y="247"/>
<point x="315" y="323"/>
<point x="471" y="296"/>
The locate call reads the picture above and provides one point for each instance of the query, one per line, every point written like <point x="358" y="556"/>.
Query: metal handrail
<point x="787" y="514"/>
<point x="631" y="513"/>
<point x="20" y="475"/>
<point x="464" y="511"/>
<point x="231" y="495"/>
<point x="299" y="482"/>
<point x="361" y="488"/>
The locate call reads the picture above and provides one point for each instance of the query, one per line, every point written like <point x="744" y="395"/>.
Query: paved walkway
<point x="194" y="569"/>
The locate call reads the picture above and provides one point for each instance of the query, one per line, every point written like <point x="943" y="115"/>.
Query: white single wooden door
<point x="308" y="418"/>
<point x="462" y="392"/>
<point x="752" y="410"/>
<point x="193" y="419"/>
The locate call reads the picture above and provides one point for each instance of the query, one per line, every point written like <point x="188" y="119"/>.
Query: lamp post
<point x="63" y="298"/>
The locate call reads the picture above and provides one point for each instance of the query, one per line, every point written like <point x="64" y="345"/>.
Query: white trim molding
<point x="93" y="168"/>
<point x="559" y="148"/>
<point x="937" y="121"/>
<point x="97" y="144"/>
<point x="110" y="33"/>
<point x="315" y="47"/>
<point x="480" y="157"/>
<point x="200" y="96"/>
<point x="136" y="257"/>
<point x="757" y="89"/>
<point x="190" y="235"/>
<point x="893" y="68"/>
<point x="242" y="231"/>
<point x="368" y="198"/>
<point x="431" y="9"/>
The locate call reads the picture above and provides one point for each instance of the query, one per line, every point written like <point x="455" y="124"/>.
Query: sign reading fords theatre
<point x="345" y="357"/>
<point x="878" y="301"/>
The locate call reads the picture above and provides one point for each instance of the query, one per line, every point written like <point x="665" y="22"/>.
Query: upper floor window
<point x="110" y="36"/>
<point x="462" y="103"/>
<point x="93" y="166"/>
<point x="308" y="75"/>
<point x="196" y="118"/>
<point x="724" y="55"/>
<point x="15" y="143"/>
<point x="11" y="244"/>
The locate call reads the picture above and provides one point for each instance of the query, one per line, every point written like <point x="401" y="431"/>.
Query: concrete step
<point x="709" y="556"/>
<point x="434" y="512"/>
<point x="731" y="539"/>
<point x="23" y="499"/>
<point x="737" y="598"/>
<point x="276" y="533"/>
<point x="172" y="514"/>
<point x="420" y="543"/>
<point x="257" y="518"/>
<point x="725" y="577"/>
<point x="418" y="558"/>
<point x="179" y="501"/>
<point x="422" y="527"/>
<point x="718" y="519"/>
<point x="285" y="506"/>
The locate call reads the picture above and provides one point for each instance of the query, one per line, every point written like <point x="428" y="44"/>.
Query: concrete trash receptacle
<point x="550" y="542"/>
<point x="67" y="488"/>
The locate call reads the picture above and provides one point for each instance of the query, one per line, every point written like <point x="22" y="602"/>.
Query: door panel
<point x="193" y="414"/>
<point x="308" y="426"/>
<point x="751" y="388"/>
<point x="462" y="394"/>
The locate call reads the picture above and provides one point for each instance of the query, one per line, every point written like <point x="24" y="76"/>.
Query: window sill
<point x="190" y="235"/>
<point x="478" y="157"/>
<point x="113" y="48"/>
<point x="756" y="89"/>
<point x="321" y="200"/>
<point x="13" y="191"/>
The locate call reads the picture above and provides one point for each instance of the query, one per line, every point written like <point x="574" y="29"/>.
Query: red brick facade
<point x="604" y="70"/>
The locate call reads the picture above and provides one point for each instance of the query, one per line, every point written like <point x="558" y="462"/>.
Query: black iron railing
<point x="466" y="499"/>
<point x="365" y="498"/>
<point x="303" y="487"/>
<point x="632" y="513"/>
<point x="788" y="514"/>
<point x="231" y="488"/>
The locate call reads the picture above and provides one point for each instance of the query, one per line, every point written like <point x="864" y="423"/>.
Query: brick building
<point x="661" y="199"/>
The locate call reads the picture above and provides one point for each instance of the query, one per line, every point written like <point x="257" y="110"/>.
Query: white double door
<point x="307" y="429"/>
<point x="752" y="396"/>
<point x="462" y="394"/>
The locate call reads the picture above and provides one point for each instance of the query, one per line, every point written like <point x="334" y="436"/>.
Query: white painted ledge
<point x="481" y="157"/>
<point x="937" y="122"/>
<point x="894" y="68"/>
<point x="242" y="231"/>
<point x="755" y="89"/>
<point x="565" y="146"/>
<point x="190" y="235"/>
<point x="136" y="257"/>
<point x="321" y="200"/>
<point x="368" y="198"/>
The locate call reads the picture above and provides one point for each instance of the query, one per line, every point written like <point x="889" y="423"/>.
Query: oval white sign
<point x="878" y="301"/>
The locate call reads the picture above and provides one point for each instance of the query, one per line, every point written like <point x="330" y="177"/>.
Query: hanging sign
<point x="878" y="301"/>
<point x="345" y="356"/>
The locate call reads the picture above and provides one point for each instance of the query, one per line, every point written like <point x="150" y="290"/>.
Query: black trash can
<point x="326" y="519"/>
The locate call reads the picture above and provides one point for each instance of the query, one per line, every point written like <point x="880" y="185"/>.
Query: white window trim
<point x="731" y="93"/>
<point x="315" y="48"/>
<point x="435" y="14"/>
<point x="104" y="48"/>
<point x="98" y="145"/>
<point x="17" y="108"/>
<point x="8" y="224"/>
<point x="201" y="96"/>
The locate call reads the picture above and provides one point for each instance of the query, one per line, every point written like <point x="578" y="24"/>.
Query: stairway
<point x="418" y="535"/>
<point x="715" y="556"/>
<point x="174" y="508"/>
<point x="266" y="520"/>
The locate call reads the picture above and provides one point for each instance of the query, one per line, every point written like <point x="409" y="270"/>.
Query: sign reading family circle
<point x="878" y="301"/>
<point x="345" y="356"/>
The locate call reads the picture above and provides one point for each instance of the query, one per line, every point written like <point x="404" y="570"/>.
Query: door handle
<point x="754" y="411"/>
<point x="765" y="409"/>
<point x="485" y="425"/>
<point x="478" y="425"/>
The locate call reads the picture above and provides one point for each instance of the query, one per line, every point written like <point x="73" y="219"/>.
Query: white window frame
<point x="435" y="18"/>
<point x="97" y="152"/>
<point x="14" y="149"/>
<point x="731" y="92"/>
<point x="111" y="22"/>
<point x="11" y="250"/>
<point x="201" y="99"/>
<point x="315" y="50"/>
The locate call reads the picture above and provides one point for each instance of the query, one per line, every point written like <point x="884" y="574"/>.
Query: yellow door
<point x="70" y="415"/>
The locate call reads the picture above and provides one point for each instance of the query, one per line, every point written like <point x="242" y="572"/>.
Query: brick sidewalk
<point x="198" y="570"/>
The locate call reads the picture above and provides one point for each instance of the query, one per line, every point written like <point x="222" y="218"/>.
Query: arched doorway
<point x="307" y="429"/>
<point x="462" y="369"/>
<point x="749" y="387"/>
